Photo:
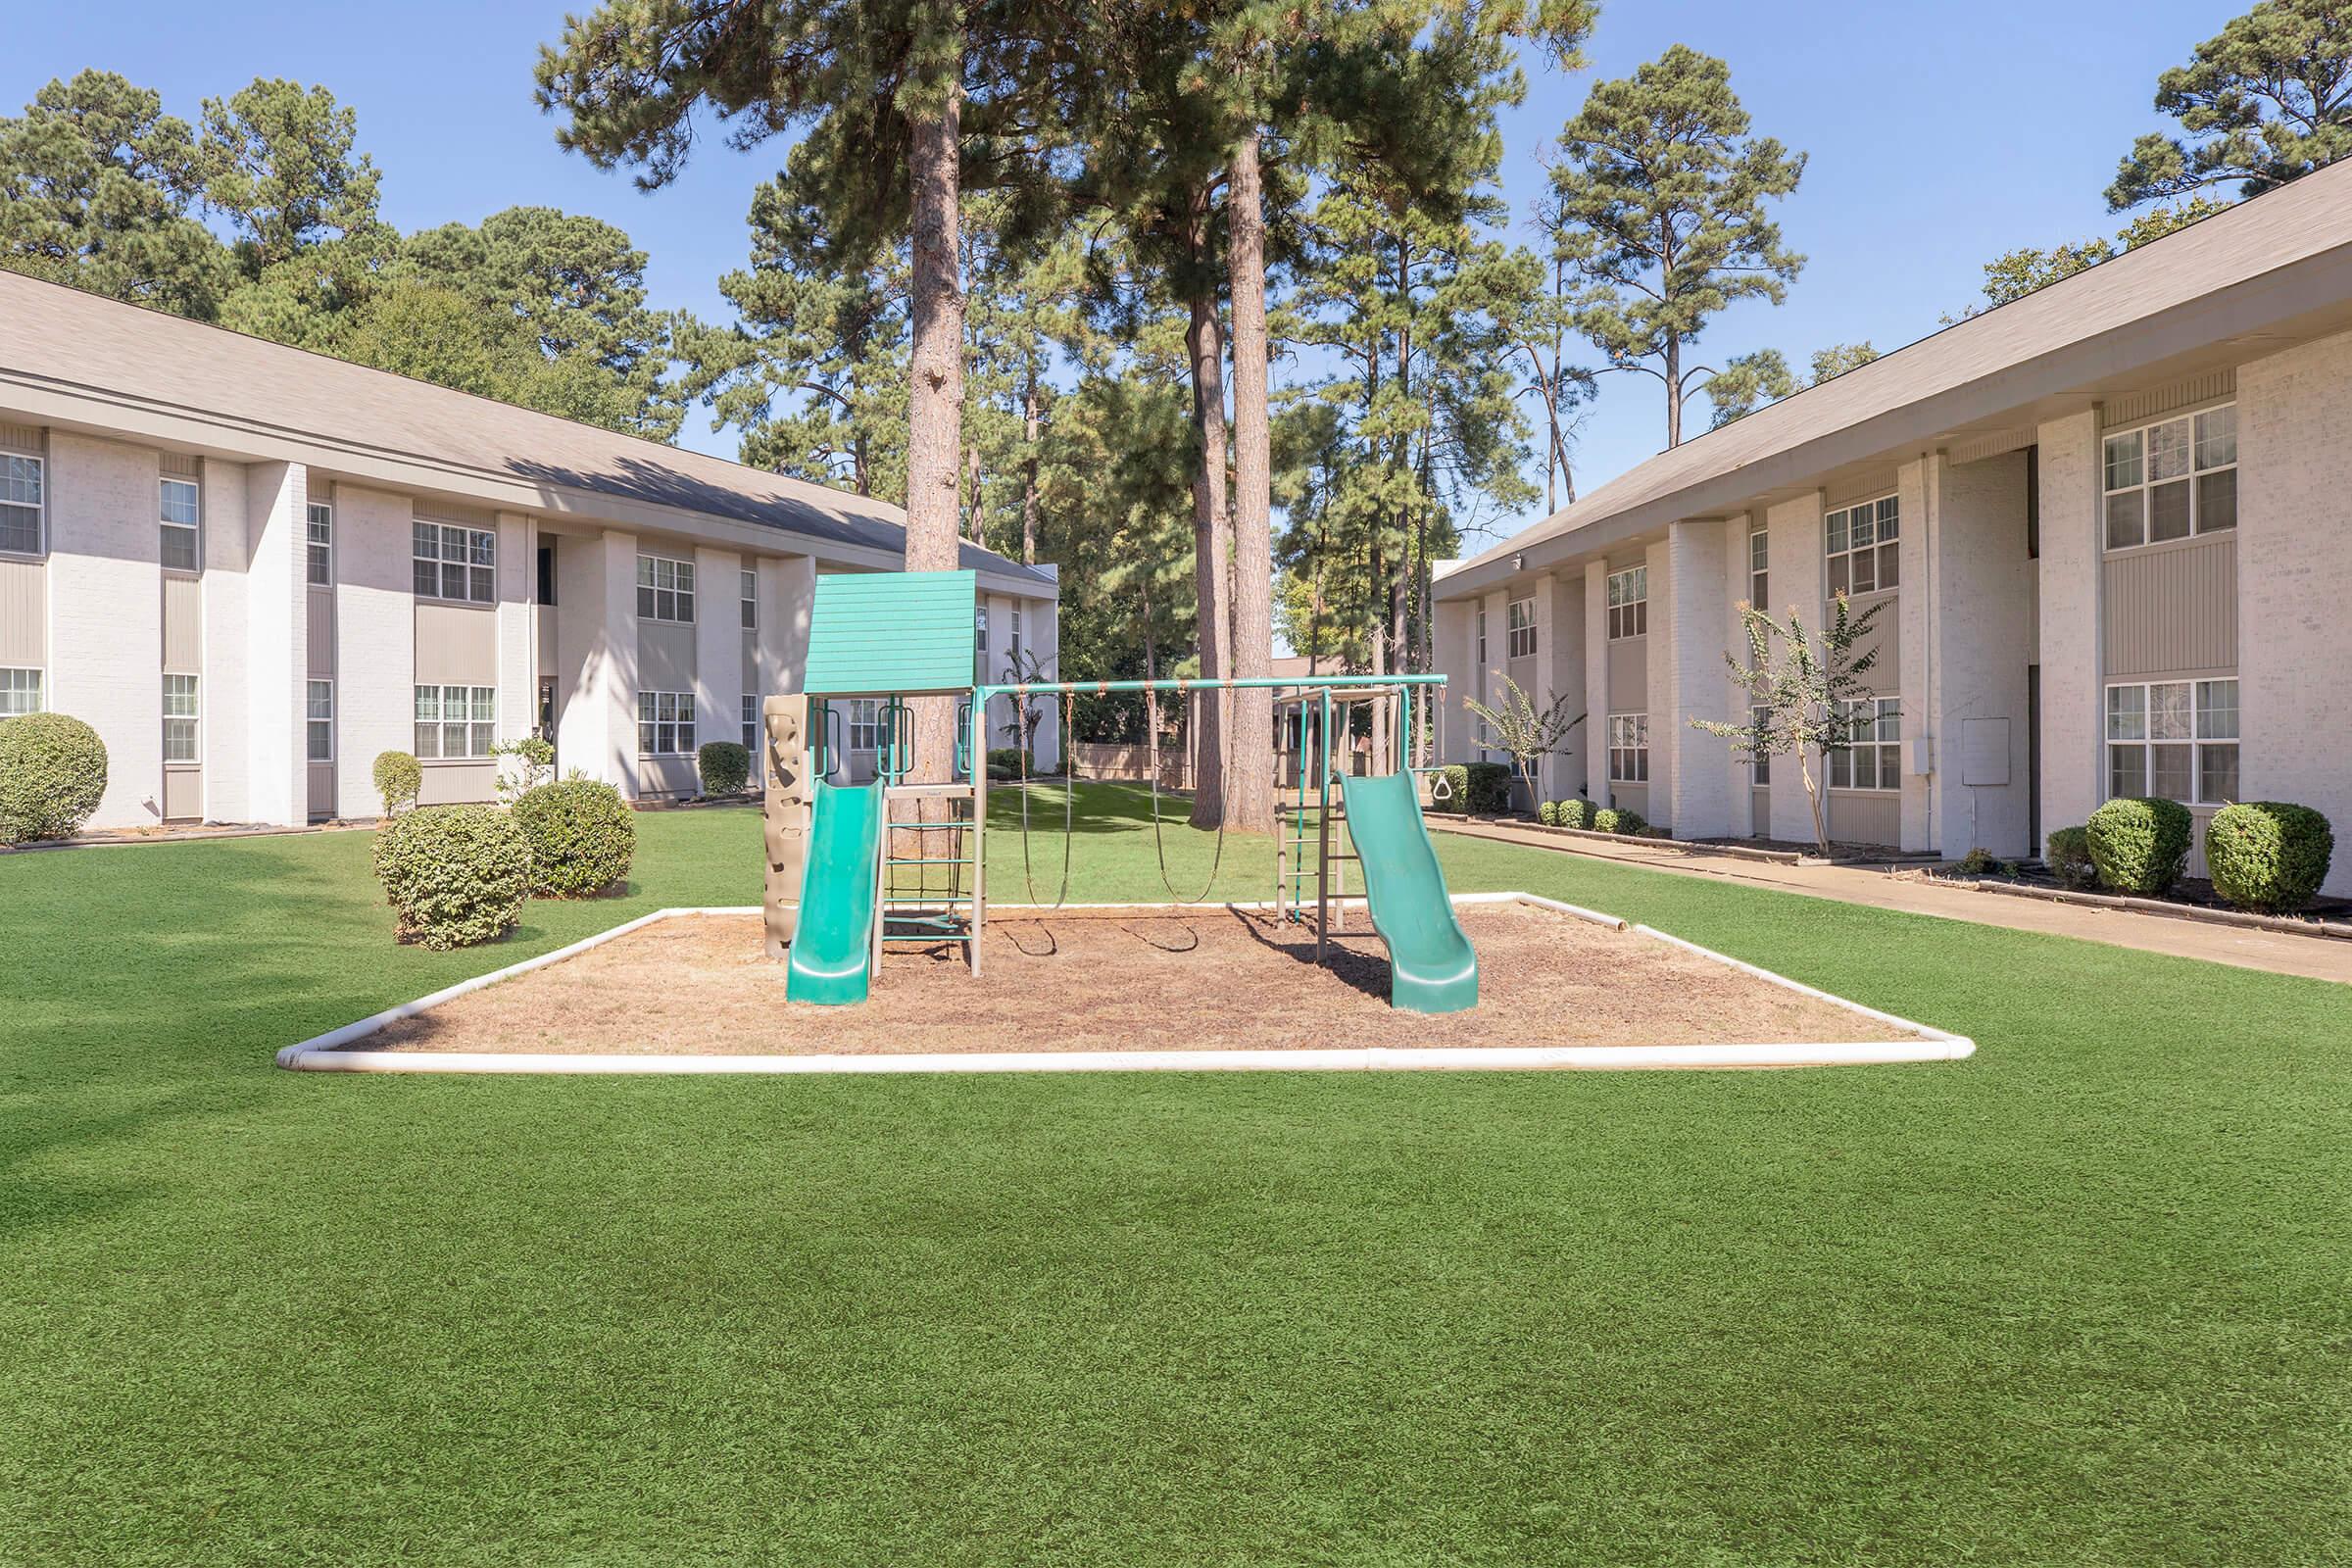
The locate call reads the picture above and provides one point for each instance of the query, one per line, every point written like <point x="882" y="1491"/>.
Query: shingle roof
<point x="1918" y="390"/>
<point x="78" y="342"/>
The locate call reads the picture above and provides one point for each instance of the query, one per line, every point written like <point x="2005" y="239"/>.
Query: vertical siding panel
<point x="2172" y="610"/>
<point x="23" y="613"/>
<point x="183" y="626"/>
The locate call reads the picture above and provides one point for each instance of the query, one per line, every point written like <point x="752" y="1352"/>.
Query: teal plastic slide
<point x="834" y="942"/>
<point x="1432" y="967"/>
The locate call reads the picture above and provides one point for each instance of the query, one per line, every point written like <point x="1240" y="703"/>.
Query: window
<point x="455" y="562"/>
<point x="180" y="714"/>
<point x="20" y="504"/>
<point x="20" y="691"/>
<point x="664" y="589"/>
<point x="319" y="536"/>
<point x="2175" y="739"/>
<point x="1629" y="603"/>
<point x="1872" y="756"/>
<point x="320" y="718"/>
<point x="865" y="721"/>
<point x="980" y="645"/>
<point x="1760" y="767"/>
<point x="1482" y="635"/>
<point x="1759" y="572"/>
<point x="1519" y="627"/>
<point x="747" y="583"/>
<point x="179" y="514"/>
<point x="1864" y="558"/>
<point x="1629" y="748"/>
<point x="2173" y="480"/>
<point x="750" y="728"/>
<point x="1016" y="637"/>
<point x="456" y="721"/>
<point x="547" y="575"/>
<point x="666" y="723"/>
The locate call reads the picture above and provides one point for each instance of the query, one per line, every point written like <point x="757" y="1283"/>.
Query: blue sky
<point x="1939" y="138"/>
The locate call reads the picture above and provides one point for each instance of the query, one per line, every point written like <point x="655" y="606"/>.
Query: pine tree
<point x="1661" y="197"/>
<point x="278" y="164"/>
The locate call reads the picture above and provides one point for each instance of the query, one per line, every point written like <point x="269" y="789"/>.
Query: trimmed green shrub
<point x="1978" y="862"/>
<point x="2140" y="846"/>
<point x="2069" y="856"/>
<point x="1578" y="814"/>
<point x="1548" y="813"/>
<point x="1457" y="788"/>
<point x="454" y="874"/>
<point x="399" y="780"/>
<point x="1488" y="789"/>
<point x="51" y="773"/>
<point x="725" y="767"/>
<point x="1619" y="819"/>
<point x="2268" y="855"/>
<point x="582" y="836"/>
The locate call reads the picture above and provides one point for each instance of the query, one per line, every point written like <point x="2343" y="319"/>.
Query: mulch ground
<point x="1098" y="980"/>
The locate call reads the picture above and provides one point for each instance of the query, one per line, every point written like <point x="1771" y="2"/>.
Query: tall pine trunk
<point x="1250" y="791"/>
<point x="1030" y="425"/>
<point x="1205" y="338"/>
<point x="935" y="395"/>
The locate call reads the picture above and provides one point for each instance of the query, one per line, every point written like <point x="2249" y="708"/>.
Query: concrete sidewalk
<point x="2278" y="952"/>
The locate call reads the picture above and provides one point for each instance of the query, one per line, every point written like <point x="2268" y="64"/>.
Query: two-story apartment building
<point x="252" y="568"/>
<point x="2111" y="525"/>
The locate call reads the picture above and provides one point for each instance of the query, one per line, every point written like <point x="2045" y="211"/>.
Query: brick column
<point x="517" y="635"/>
<point x="1561" y="608"/>
<point x="596" y="598"/>
<point x="717" y="643"/>
<point x="1797" y="584"/>
<point x="274" y="641"/>
<point x="2073" y="713"/>
<point x="1596" y="681"/>
<point x="1658" y="687"/>
<point x="1919" y="488"/>
<point x="1686" y="650"/>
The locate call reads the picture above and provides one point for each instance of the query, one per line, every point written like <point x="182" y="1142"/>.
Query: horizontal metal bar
<point x="941" y="860"/>
<point x="1234" y="683"/>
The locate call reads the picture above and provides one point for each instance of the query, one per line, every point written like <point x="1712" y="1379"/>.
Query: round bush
<point x="2268" y="855"/>
<point x="2140" y="846"/>
<point x="1618" y="819"/>
<point x="1489" y="788"/>
<point x="399" y="777"/>
<point x="582" y="836"/>
<point x="51" y="773"/>
<point x="454" y="874"/>
<point x="725" y="766"/>
<point x="1548" y="813"/>
<point x="1578" y="814"/>
<point x="2069" y="856"/>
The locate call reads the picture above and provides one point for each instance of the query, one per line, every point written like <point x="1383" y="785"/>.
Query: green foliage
<point x="279" y="164"/>
<point x="2262" y="102"/>
<point x="1527" y="732"/>
<point x="2019" y="273"/>
<point x="725" y="767"/>
<point x="2268" y="855"/>
<point x="1660" y="196"/>
<point x="582" y="836"/>
<point x="1578" y="814"/>
<point x="1978" y="862"/>
<point x="1455" y="796"/>
<point x="1747" y="381"/>
<point x="1801" y="683"/>
<point x="2068" y="856"/>
<point x="399" y="780"/>
<point x="1488" y="789"/>
<point x="52" y="776"/>
<point x="2140" y="846"/>
<point x="534" y="764"/>
<point x="1548" y="813"/>
<point x="1619" y="819"/>
<point x="455" y="875"/>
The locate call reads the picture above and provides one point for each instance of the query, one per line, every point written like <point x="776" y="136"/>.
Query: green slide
<point x="1430" y="965"/>
<point x="835" y="939"/>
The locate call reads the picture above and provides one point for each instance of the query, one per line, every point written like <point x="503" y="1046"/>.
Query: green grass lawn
<point x="2080" y="1301"/>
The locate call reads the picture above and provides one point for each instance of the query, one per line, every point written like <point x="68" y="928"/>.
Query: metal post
<point x="980" y="831"/>
<point x="1323" y="833"/>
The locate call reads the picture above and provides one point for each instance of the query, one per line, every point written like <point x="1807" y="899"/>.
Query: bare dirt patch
<point x="1098" y="980"/>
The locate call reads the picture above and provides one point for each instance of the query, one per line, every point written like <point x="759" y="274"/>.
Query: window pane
<point x="2217" y="438"/>
<point x="644" y="602"/>
<point x="1838" y="539"/>
<point x="2127" y="712"/>
<point x="180" y="502"/>
<point x="2216" y="773"/>
<point x="2216" y="501"/>
<point x="428" y="741"/>
<point x="2126" y="519"/>
<point x="453" y="580"/>
<point x="322" y="741"/>
<point x="1866" y="576"/>
<point x="2167" y="710"/>
<point x="685" y="610"/>
<point x="1759" y="549"/>
<point x="645" y="736"/>
<point x="485" y="703"/>
<point x="2217" y="710"/>
<point x="1842" y="770"/>
<point x="320" y="700"/>
<point x="180" y="549"/>
<point x="2123" y="461"/>
<point x="1859" y="529"/>
<point x="481" y="739"/>
<point x="1838" y="582"/>
<point x="2168" y="772"/>
<point x="1889" y="565"/>
<point x="21" y="530"/>
<point x="1891" y="516"/>
<point x="485" y="590"/>
<point x="1866" y="767"/>
<point x="2167" y="511"/>
<point x="2127" y="772"/>
<point x="427" y="580"/>
<point x="483" y="548"/>
<point x="2168" y="451"/>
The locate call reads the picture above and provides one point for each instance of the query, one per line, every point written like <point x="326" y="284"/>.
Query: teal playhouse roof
<point x="881" y="632"/>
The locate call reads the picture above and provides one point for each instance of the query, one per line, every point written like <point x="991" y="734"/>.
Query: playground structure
<point x="853" y="868"/>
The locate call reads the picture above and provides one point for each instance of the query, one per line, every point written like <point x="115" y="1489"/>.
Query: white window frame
<point x="1481" y="633"/>
<point x="1519" y="616"/>
<point x="2212" y="727"/>
<point x="865" y="713"/>
<point x="1629" y="604"/>
<point x="475" y="562"/>
<point x="183" y="720"/>
<point x="1629" y="748"/>
<point x="1017" y="635"/>
<point x="319" y="544"/>
<point x="666" y="590"/>
<point x="751" y="727"/>
<point x="23" y="688"/>
<point x="666" y="724"/>
<point x="475" y="723"/>
<point x="1759" y="569"/>
<point x="170" y="528"/>
<point x="319" y="721"/>
<point x="1760" y="765"/>
<point x="1879" y="557"/>
<point x="23" y="473"/>
<point x="1874" y="749"/>
<point x="748" y="585"/>
<point x="2128" y="463"/>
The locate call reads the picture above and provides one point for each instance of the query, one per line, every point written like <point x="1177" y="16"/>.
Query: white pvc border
<point x="328" y="1053"/>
